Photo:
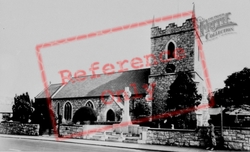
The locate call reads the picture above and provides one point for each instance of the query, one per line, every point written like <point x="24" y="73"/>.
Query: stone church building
<point x="104" y="94"/>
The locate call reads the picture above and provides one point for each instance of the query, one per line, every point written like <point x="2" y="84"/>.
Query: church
<point x="104" y="94"/>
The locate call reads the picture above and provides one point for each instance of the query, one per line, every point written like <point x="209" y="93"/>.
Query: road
<point x="19" y="145"/>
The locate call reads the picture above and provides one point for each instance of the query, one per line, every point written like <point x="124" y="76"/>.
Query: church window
<point x="89" y="104"/>
<point x="67" y="111"/>
<point x="171" y="50"/>
<point x="58" y="108"/>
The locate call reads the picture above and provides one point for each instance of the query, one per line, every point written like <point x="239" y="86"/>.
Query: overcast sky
<point x="27" y="23"/>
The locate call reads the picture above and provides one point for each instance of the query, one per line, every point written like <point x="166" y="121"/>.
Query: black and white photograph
<point x="124" y="75"/>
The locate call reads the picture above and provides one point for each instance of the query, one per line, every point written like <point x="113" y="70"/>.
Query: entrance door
<point x="110" y="115"/>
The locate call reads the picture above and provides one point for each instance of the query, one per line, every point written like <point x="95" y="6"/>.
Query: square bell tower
<point x="175" y="49"/>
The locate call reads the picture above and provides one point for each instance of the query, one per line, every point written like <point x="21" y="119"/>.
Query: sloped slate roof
<point x="96" y="86"/>
<point x="241" y="110"/>
<point x="52" y="89"/>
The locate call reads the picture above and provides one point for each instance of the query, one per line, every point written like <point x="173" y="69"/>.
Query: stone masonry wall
<point x="76" y="104"/>
<point x="162" y="84"/>
<point x="81" y="131"/>
<point x="184" y="39"/>
<point x="172" y="28"/>
<point x="234" y="139"/>
<point x="19" y="129"/>
<point x="67" y="131"/>
<point x="174" y="137"/>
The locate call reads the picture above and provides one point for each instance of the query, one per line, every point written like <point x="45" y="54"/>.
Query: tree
<point x="43" y="115"/>
<point x="182" y="95"/>
<point x="158" y="105"/>
<point x="22" y="108"/>
<point x="217" y="98"/>
<point x="84" y="114"/>
<point x="237" y="88"/>
<point x="141" y="108"/>
<point x="236" y="91"/>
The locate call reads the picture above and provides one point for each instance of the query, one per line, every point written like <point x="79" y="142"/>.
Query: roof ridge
<point x="56" y="83"/>
<point x="104" y="84"/>
<point x="111" y="74"/>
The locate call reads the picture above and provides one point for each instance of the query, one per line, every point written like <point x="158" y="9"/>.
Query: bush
<point x="141" y="109"/>
<point x="84" y="114"/>
<point x="22" y="108"/>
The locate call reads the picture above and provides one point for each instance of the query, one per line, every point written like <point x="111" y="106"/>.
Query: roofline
<point x="53" y="96"/>
<point x="106" y="74"/>
<point x="57" y="90"/>
<point x="6" y="112"/>
<point x="45" y="90"/>
<point x="91" y="97"/>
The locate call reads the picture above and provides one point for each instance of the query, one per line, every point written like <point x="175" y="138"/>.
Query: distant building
<point x="5" y="110"/>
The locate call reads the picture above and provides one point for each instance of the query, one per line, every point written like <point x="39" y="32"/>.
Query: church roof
<point x="52" y="89"/>
<point x="96" y="86"/>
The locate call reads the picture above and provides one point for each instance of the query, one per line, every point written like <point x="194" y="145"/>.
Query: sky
<point x="27" y="23"/>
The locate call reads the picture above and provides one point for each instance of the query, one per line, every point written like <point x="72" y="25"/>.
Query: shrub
<point x="84" y="114"/>
<point x="22" y="108"/>
<point x="141" y="109"/>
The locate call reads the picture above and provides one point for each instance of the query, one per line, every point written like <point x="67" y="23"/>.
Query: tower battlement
<point x="172" y="28"/>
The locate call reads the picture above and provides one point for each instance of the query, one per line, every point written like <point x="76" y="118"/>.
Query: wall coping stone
<point x="233" y="128"/>
<point x="174" y="130"/>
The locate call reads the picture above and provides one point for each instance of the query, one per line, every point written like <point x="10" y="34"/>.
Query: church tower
<point x="175" y="49"/>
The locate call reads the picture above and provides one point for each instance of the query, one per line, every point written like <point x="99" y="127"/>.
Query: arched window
<point x="110" y="115"/>
<point x="58" y="108"/>
<point x="67" y="111"/>
<point x="171" y="50"/>
<point x="89" y="104"/>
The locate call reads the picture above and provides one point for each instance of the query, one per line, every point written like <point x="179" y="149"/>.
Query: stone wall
<point x="172" y="28"/>
<point x="174" y="137"/>
<point x="76" y="104"/>
<point x="234" y="139"/>
<point x="82" y="131"/>
<point x="71" y="131"/>
<point x="184" y="39"/>
<point x="237" y="139"/>
<point x="19" y="129"/>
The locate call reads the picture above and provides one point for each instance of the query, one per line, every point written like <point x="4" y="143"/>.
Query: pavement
<point x="111" y="144"/>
